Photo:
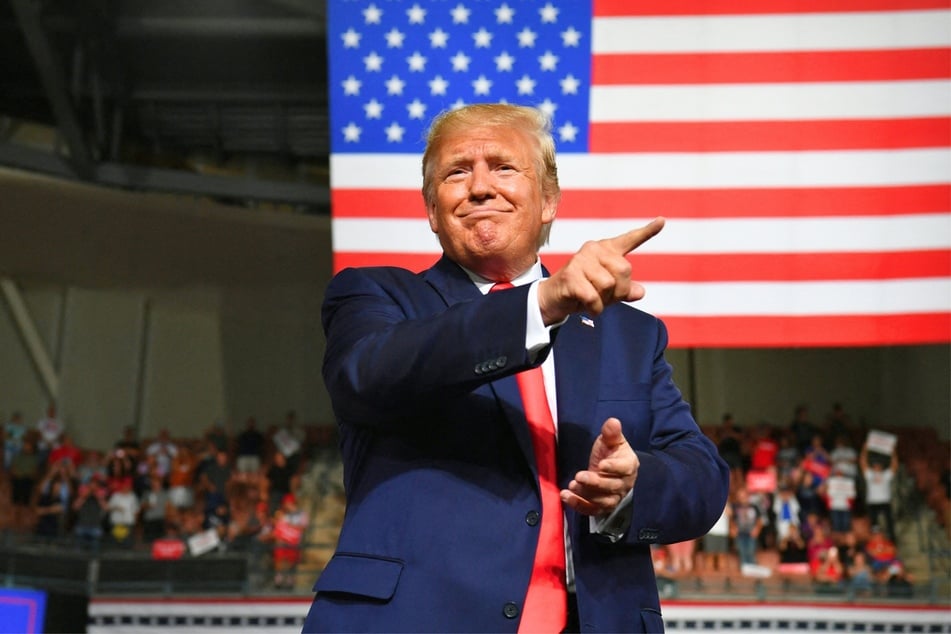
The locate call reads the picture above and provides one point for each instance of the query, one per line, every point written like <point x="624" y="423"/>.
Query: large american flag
<point x="800" y="149"/>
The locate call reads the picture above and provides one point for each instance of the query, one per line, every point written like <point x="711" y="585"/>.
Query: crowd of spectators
<point x="170" y="496"/>
<point x="809" y="502"/>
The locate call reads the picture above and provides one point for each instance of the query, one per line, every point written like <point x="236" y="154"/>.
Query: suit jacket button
<point x="502" y="361"/>
<point x="510" y="610"/>
<point x="648" y="535"/>
<point x="531" y="518"/>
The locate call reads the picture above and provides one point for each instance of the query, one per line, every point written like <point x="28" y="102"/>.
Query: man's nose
<point x="481" y="184"/>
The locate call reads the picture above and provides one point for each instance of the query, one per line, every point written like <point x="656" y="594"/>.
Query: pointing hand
<point x="595" y="277"/>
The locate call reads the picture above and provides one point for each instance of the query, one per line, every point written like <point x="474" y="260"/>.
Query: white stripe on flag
<point x="754" y="169"/>
<point x="771" y="102"/>
<point x="683" y="170"/>
<point x="864" y="297"/>
<point x="768" y="235"/>
<point x="855" y="234"/>
<point x="779" y="32"/>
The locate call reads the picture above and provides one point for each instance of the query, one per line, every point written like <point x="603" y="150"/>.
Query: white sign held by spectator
<point x="286" y="443"/>
<point x="881" y="442"/>
<point x="203" y="542"/>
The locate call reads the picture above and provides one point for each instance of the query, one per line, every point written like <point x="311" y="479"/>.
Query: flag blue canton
<point x="395" y="64"/>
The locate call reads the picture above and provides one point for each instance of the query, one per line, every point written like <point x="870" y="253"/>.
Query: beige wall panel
<point x="99" y="364"/>
<point x="915" y="386"/>
<point x="272" y="347"/>
<point x="183" y="387"/>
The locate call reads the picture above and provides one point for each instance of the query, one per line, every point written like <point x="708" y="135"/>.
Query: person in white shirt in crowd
<point x="716" y="543"/>
<point x="844" y="457"/>
<point x="51" y="430"/>
<point x="162" y="450"/>
<point x="123" y="508"/>
<point x="879" y="476"/>
<point x="13" y="432"/>
<point x="839" y="493"/>
<point x="786" y="509"/>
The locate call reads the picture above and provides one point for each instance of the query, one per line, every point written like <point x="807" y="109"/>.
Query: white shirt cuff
<point x="613" y="526"/>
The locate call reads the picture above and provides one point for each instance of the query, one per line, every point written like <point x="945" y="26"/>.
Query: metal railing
<point x="62" y="565"/>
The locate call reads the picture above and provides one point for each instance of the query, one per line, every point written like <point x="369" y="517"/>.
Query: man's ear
<point x="433" y="218"/>
<point x="549" y="209"/>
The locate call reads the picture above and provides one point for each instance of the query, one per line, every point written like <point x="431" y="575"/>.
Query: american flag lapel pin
<point x="587" y="321"/>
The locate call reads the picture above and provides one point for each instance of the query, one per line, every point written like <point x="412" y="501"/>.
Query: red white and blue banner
<point x="286" y="615"/>
<point x="800" y="149"/>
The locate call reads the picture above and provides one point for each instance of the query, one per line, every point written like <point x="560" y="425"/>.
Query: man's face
<point x="488" y="208"/>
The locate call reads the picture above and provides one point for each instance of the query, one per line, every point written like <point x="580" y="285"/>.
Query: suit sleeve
<point x="394" y="346"/>
<point x="682" y="482"/>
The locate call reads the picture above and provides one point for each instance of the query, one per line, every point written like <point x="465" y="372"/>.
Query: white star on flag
<point x="351" y="133"/>
<point x="460" y="62"/>
<point x="526" y="38"/>
<point x="438" y="38"/>
<point x="438" y="85"/>
<point x="372" y="14"/>
<point x="351" y="39"/>
<point x="504" y="62"/>
<point x="548" y="13"/>
<point x="460" y="14"/>
<point x="351" y="86"/>
<point x="417" y="109"/>
<point x="394" y="39"/>
<point x="373" y="109"/>
<point x="416" y="14"/>
<point x="526" y="85"/>
<point x="394" y="133"/>
<point x="416" y="62"/>
<point x="482" y="85"/>
<point x="504" y="14"/>
<point x="373" y="62"/>
<point x="483" y="39"/>
<point x="395" y="85"/>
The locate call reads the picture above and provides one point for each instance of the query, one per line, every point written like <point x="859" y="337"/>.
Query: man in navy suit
<point x="443" y="501"/>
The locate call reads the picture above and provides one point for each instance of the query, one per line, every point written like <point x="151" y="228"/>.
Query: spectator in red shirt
<point x="66" y="451"/>
<point x="881" y="551"/>
<point x="765" y="448"/>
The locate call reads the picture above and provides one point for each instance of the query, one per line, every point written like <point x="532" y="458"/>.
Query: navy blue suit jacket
<point x="442" y="490"/>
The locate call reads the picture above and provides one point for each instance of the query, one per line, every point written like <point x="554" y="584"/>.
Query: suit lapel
<point x="451" y="282"/>
<point x="577" y="350"/>
<point x="454" y="286"/>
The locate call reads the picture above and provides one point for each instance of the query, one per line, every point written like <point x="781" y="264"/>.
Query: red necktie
<point x="546" y="604"/>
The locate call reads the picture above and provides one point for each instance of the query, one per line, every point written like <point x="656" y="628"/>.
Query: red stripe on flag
<point x="740" y="136"/>
<point x="820" y="331"/>
<point x="785" y="67"/>
<point x="683" y="203"/>
<point x="780" y="267"/>
<point x="720" y="267"/>
<point x="605" y="8"/>
<point x="377" y="203"/>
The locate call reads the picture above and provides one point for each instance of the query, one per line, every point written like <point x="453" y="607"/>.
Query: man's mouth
<point x="476" y="214"/>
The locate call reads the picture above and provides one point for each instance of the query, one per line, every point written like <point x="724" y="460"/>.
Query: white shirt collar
<point x="533" y="273"/>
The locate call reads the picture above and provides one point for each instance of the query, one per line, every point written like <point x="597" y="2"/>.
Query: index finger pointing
<point x="627" y="242"/>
